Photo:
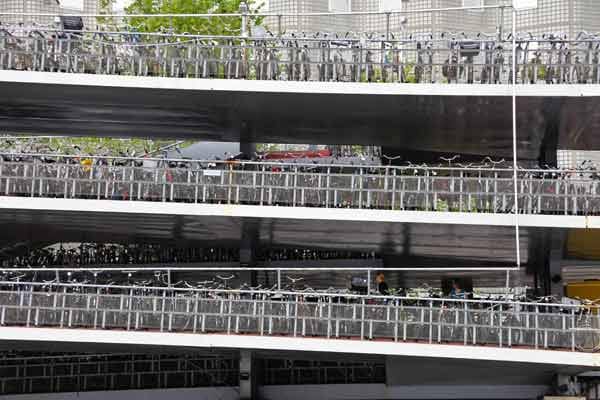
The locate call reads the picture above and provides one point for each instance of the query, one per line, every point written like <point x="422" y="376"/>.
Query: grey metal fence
<point x="87" y="372"/>
<point x="391" y="188"/>
<point x="473" y="323"/>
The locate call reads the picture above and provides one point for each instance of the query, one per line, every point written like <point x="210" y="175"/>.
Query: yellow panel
<point x="584" y="244"/>
<point x="584" y="290"/>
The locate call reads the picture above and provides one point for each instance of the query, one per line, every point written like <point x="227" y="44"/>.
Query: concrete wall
<point x="222" y="393"/>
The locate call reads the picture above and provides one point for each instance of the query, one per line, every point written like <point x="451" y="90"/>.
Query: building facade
<point x="50" y="7"/>
<point x="29" y="6"/>
<point x="552" y="16"/>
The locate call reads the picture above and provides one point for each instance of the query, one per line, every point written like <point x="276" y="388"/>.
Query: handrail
<point x="293" y="294"/>
<point x="279" y="164"/>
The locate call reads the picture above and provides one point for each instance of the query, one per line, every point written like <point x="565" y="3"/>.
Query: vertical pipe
<point x="278" y="279"/>
<point x="514" y="134"/>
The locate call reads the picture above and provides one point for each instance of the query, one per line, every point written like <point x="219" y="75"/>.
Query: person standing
<point x="382" y="286"/>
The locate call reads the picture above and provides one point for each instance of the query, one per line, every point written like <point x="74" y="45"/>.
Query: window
<point x="390" y="5"/>
<point x="525" y="4"/>
<point x="473" y="3"/>
<point x="340" y="6"/>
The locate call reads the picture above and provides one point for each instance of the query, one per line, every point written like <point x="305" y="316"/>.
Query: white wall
<point x="223" y="393"/>
<point x="414" y="392"/>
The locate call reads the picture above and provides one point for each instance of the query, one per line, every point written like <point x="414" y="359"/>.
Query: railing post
<point x="33" y="176"/>
<point x="360" y="189"/>
<point x="430" y="321"/>
<point x="439" y="329"/>
<point x="164" y="186"/>
<point x="278" y="279"/>
<point x="466" y="323"/>
<point x="362" y="319"/>
<point x="29" y="305"/>
<point x="295" y="186"/>
<point x="62" y="308"/>
<point x="262" y="318"/>
<point x="536" y="325"/>
<point x="229" y="310"/>
<point x="394" y="189"/>
<point x="196" y="186"/>
<point x="329" y="310"/>
<point x="195" y="327"/>
<point x="295" y="317"/>
<point x="262" y="185"/>
<point x="328" y="187"/>
<point x="396" y="321"/>
<point x="97" y="305"/>
<point x="162" y="311"/>
<point x="500" y="325"/>
<point x="129" y="309"/>
<point x="572" y="329"/>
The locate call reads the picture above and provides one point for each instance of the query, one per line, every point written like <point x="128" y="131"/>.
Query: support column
<point x="247" y="387"/>
<point x="247" y="145"/>
<point x="554" y="262"/>
<point x="390" y="256"/>
<point x="248" y="248"/>
<point x="249" y="234"/>
<point x="551" y="132"/>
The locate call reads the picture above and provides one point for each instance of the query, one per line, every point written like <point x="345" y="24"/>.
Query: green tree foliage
<point x="88" y="145"/>
<point x="203" y="26"/>
<point x="106" y="7"/>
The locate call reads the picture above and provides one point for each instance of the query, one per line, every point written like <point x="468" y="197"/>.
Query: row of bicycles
<point x="486" y="186"/>
<point x="98" y="254"/>
<point x="224" y="283"/>
<point x="445" y="57"/>
<point x="540" y="322"/>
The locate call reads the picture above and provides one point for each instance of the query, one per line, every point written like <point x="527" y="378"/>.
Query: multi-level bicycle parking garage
<point x="434" y="257"/>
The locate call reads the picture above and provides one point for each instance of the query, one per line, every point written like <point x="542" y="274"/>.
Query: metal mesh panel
<point x="571" y="159"/>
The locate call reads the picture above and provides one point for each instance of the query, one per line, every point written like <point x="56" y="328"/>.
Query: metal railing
<point x="289" y="372"/>
<point x="87" y="372"/>
<point x="300" y="58"/>
<point x="388" y="188"/>
<point x="332" y="316"/>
